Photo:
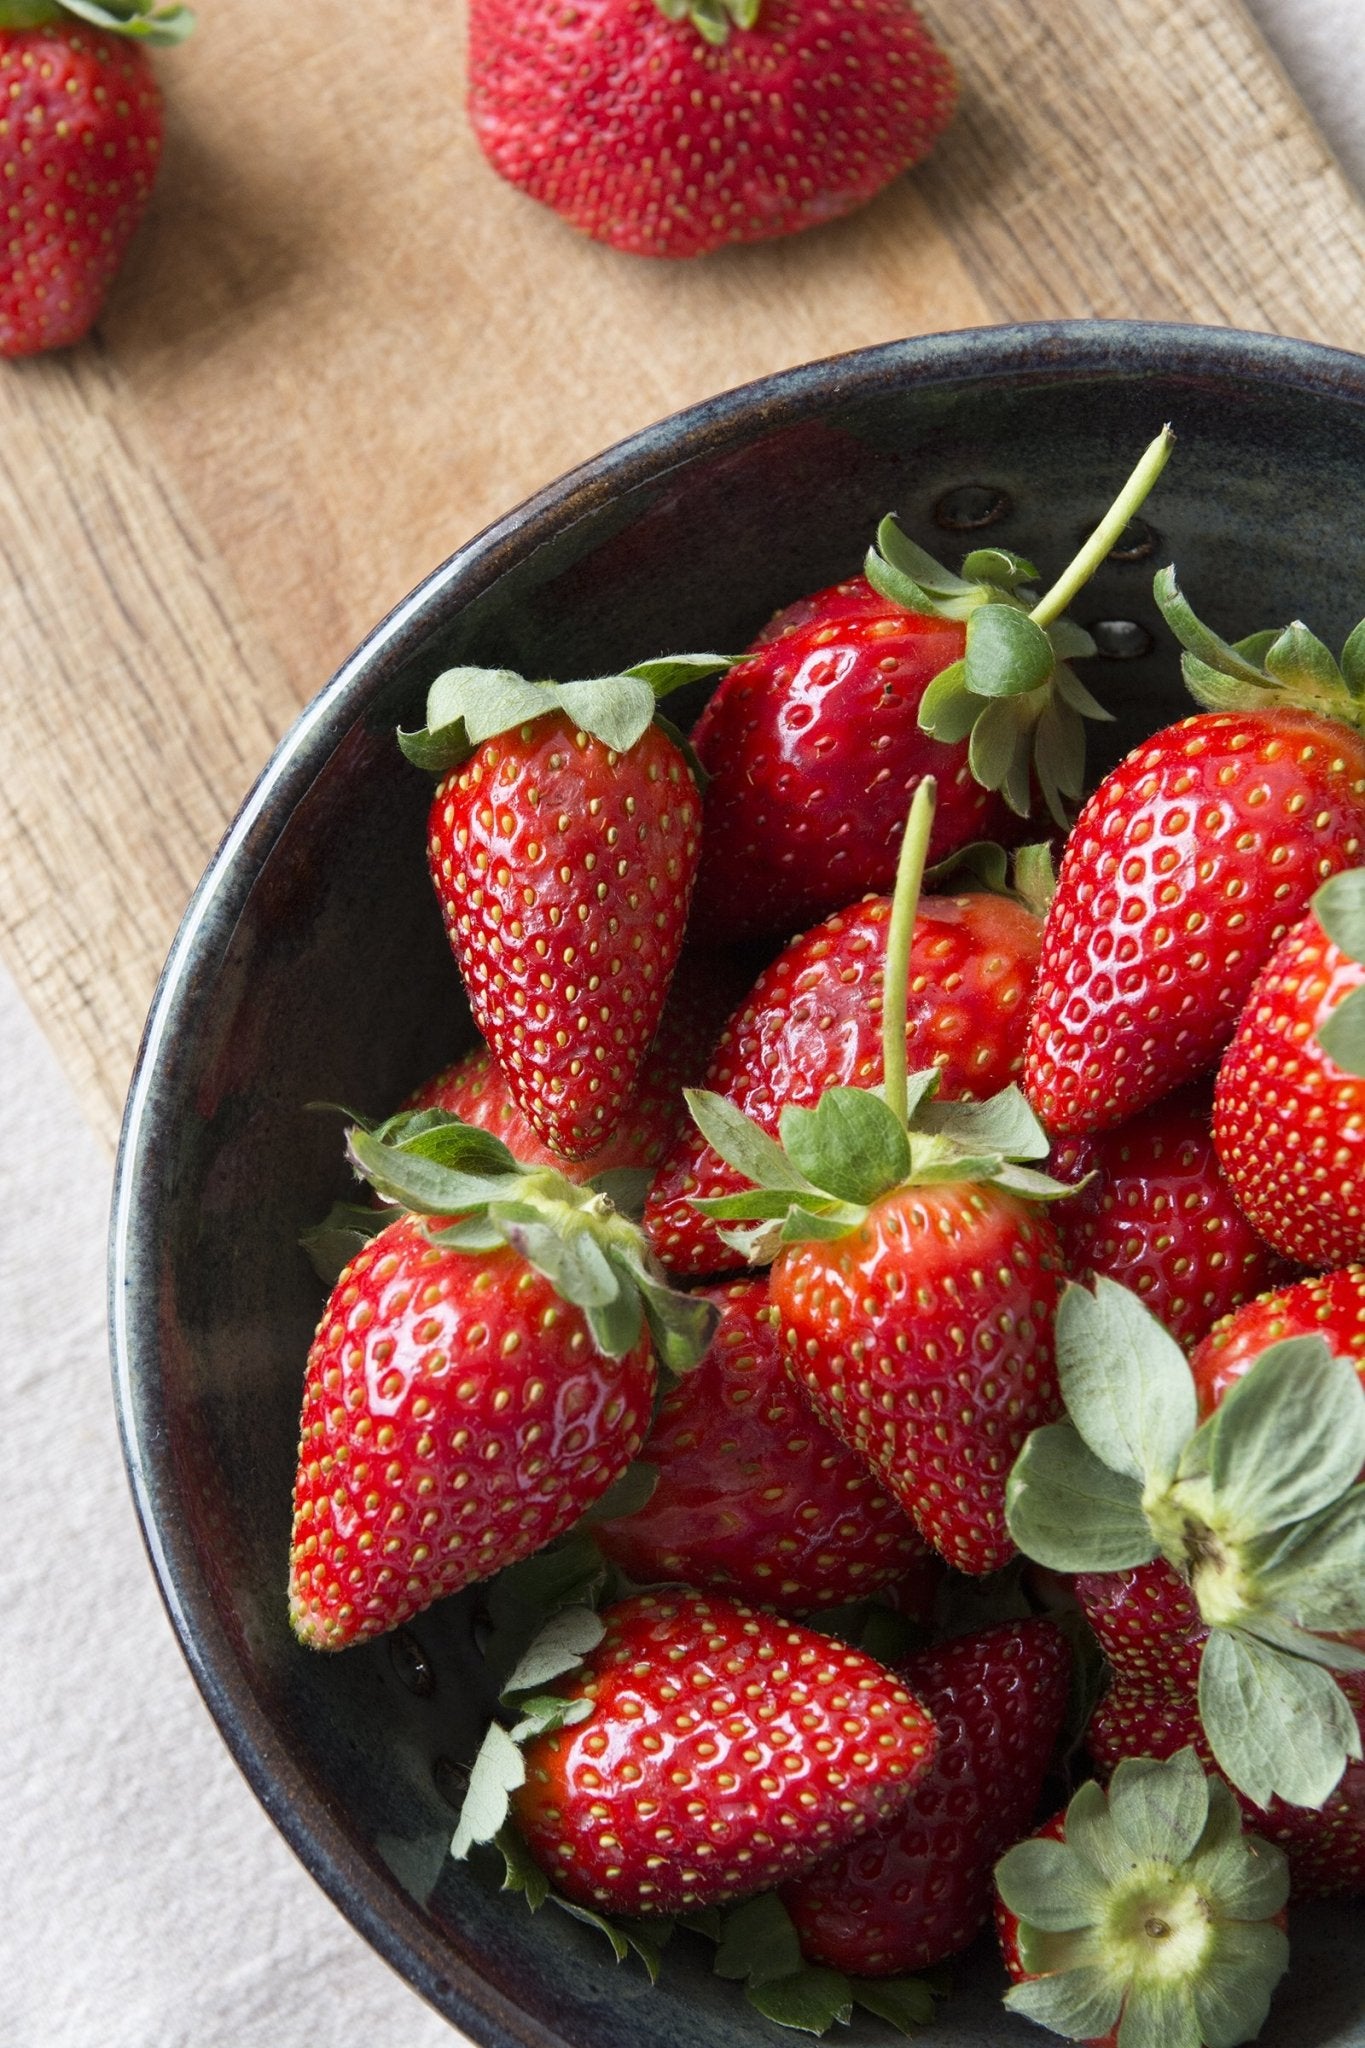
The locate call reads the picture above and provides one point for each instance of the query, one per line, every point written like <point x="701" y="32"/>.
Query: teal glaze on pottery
<point x="311" y="966"/>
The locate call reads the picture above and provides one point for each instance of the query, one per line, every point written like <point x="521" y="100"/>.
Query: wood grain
<point x="341" y="346"/>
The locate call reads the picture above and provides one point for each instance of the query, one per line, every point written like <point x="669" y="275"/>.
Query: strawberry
<point x="914" y="1278"/>
<point x="671" y="129"/>
<point x="1187" y="866"/>
<point x="80" y="146"/>
<point x="1158" y="1216"/>
<point x="723" y="1750"/>
<point x="562" y="844"/>
<point x="1324" y="1846"/>
<point x="482" y="1373"/>
<point x="1330" y="1305"/>
<point x="475" y="1089"/>
<point x="1218" y="1561"/>
<point x="755" y="1498"/>
<point x="1289" y="1103"/>
<point x="813" y="1020"/>
<point x="815" y="742"/>
<point x="916" y="1890"/>
<point x="1144" y="1914"/>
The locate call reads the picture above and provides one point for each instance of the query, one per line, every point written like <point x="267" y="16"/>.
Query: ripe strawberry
<point x="813" y="1020"/>
<point x="1186" y="867"/>
<point x="1329" y="1305"/>
<point x="755" y="1498"/>
<point x="1158" y="1216"/>
<point x="916" y="1890"/>
<point x="80" y="146"/>
<point x="1144" y="1914"/>
<point x="725" y="1750"/>
<point x="562" y="844"/>
<point x="673" y="129"/>
<point x="1289" y="1104"/>
<point x="474" y="1386"/>
<point x="1215" y="1560"/>
<point x="475" y="1089"/>
<point x="1325" y="1846"/>
<point x="816" y="741"/>
<point x="914" y="1278"/>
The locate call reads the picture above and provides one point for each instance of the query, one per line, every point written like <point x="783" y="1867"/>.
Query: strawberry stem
<point x="1079" y="571"/>
<point x="904" y="904"/>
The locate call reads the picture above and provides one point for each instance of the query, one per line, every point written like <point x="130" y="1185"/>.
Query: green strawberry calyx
<point x="479" y="1197"/>
<point x="466" y="706"/>
<point x="1258" y="1509"/>
<point x="1013" y="696"/>
<point x="1154" y="1914"/>
<point x="712" y="19"/>
<point x="1028" y="875"/>
<point x="859" y="1144"/>
<point x="1339" y="907"/>
<point x="1267" y="671"/>
<point x="144" y="20"/>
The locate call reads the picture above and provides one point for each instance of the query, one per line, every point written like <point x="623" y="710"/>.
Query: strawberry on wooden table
<point x="813" y="1021"/>
<point x="1158" y="1216"/>
<point x="1221" y="1561"/>
<point x="1188" y="865"/>
<point x="916" y="1890"/>
<point x="483" y="1372"/>
<point x="1144" y="1915"/>
<point x="913" y="1271"/>
<point x="816" y="740"/>
<point x="81" y="126"/>
<point x="698" y="1752"/>
<point x="1289" y="1102"/>
<point x="673" y="127"/>
<point x="754" y="1496"/>
<point x="562" y="845"/>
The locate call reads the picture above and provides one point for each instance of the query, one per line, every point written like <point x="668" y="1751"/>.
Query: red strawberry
<point x="914" y="1277"/>
<point x="923" y="1338"/>
<point x="1185" y="869"/>
<point x="1158" y="1216"/>
<point x="460" y="1407"/>
<point x="916" y="1890"/>
<point x="80" y="146"/>
<point x="1289" y="1105"/>
<point x="1330" y="1305"/>
<point x="1325" y="1845"/>
<point x="562" y="843"/>
<point x="725" y="1750"/>
<point x="1148" y="1623"/>
<point x="814" y="1020"/>
<point x="756" y="1498"/>
<point x="814" y="752"/>
<point x="672" y="129"/>
<point x="1144" y="1914"/>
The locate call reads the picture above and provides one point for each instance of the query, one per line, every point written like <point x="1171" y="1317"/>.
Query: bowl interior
<point x="312" y="968"/>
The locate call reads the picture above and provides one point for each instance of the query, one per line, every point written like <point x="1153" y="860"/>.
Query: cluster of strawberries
<point x="1002" y="1349"/>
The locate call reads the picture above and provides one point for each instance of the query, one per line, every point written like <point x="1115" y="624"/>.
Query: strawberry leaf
<point x="742" y="1144"/>
<point x="560" y="1647"/>
<point x="143" y="20"/>
<point x="1160" y="1809"/>
<point x="1084" y="2004"/>
<point x="811" y="2001"/>
<point x="1007" y="654"/>
<point x="1068" y="1510"/>
<point x="1316" y="1572"/>
<point x="1003" y="1123"/>
<point x="1125" y="1381"/>
<point x="851" y="1144"/>
<point x="903" y="2002"/>
<point x="1353" y="661"/>
<point x="948" y="710"/>
<point x="758" y="1942"/>
<point x="1278" y="1726"/>
<point x="499" y="1769"/>
<point x="1286" y="1440"/>
<point x="617" y="710"/>
<point x="345" y="1230"/>
<point x="671" y="671"/>
<point x="1299" y="660"/>
<point x="1342" y="1035"/>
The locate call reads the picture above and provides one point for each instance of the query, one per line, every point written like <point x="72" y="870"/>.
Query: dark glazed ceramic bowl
<point x="311" y="966"/>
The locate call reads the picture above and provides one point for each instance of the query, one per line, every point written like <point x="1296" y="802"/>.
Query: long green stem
<point x="896" y="975"/>
<point x="1079" y="571"/>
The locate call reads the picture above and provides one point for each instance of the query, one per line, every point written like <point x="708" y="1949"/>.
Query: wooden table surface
<point x="341" y="346"/>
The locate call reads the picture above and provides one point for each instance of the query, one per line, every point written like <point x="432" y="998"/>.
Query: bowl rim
<point x="393" y="1924"/>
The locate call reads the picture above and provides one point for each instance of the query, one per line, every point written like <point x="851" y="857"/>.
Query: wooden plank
<point x="341" y="346"/>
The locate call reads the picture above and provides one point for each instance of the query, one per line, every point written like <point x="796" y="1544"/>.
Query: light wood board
<point x="341" y="346"/>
